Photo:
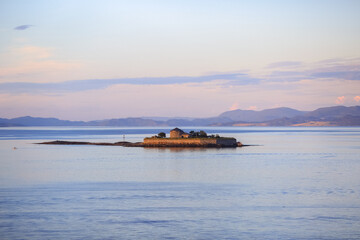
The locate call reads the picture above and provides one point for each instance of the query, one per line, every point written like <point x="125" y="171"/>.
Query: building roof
<point x="177" y="130"/>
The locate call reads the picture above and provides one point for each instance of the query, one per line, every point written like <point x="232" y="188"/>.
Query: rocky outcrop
<point x="124" y="144"/>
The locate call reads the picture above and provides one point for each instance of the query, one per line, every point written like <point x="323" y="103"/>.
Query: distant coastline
<point x="329" y="116"/>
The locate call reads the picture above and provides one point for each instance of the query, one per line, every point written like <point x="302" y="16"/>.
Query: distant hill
<point x="334" y="112"/>
<point x="167" y="118"/>
<point x="126" y="122"/>
<point x="261" y="116"/>
<point x="35" y="121"/>
<point x="329" y="116"/>
<point x="198" y="121"/>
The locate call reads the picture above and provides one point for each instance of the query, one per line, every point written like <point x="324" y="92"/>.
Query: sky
<point x="91" y="60"/>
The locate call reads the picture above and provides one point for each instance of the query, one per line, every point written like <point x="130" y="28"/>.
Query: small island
<point x="178" y="138"/>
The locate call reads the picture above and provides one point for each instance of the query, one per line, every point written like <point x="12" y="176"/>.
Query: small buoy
<point x="14" y="148"/>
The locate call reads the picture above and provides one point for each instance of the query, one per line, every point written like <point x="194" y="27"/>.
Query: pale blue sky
<point x="109" y="41"/>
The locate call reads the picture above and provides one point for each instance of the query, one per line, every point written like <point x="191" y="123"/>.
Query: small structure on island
<point x="178" y="133"/>
<point x="179" y="138"/>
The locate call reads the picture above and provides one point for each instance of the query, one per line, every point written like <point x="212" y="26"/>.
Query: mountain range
<point x="328" y="116"/>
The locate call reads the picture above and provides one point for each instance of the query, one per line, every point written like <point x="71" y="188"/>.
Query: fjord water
<point x="296" y="183"/>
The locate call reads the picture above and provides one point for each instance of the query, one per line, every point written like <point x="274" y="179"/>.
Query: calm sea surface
<point x="297" y="183"/>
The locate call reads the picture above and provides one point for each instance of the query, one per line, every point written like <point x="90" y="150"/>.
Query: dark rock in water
<point x="57" y="142"/>
<point x="128" y="144"/>
<point x="124" y="144"/>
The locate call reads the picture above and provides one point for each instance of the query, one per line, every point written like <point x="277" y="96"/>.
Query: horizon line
<point x="178" y="117"/>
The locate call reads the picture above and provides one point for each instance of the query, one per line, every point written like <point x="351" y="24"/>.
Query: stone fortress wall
<point x="184" y="142"/>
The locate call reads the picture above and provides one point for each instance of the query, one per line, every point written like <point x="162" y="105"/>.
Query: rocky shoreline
<point x="124" y="143"/>
<point x="178" y="139"/>
<point x="140" y="144"/>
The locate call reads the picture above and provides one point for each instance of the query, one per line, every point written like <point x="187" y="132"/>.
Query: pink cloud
<point x="357" y="98"/>
<point x="252" y="108"/>
<point x="340" y="100"/>
<point x="234" y="106"/>
<point x="35" y="64"/>
<point x="33" y="52"/>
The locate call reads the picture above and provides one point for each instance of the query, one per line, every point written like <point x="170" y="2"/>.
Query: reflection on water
<point x="299" y="183"/>
<point x="181" y="149"/>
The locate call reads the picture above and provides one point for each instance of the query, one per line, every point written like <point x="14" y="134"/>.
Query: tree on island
<point x="200" y="134"/>
<point x="161" y="135"/>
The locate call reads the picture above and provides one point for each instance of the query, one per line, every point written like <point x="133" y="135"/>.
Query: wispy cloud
<point x="291" y="76"/>
<point x="92" y="84"/>
<point x="287" y="76"/>
<point x="332" y="69"/>
<point x="347" y="75"/>
<point x="22" y="27"/>
<point x="285" y="64"/>
<point x="309" y="72"/>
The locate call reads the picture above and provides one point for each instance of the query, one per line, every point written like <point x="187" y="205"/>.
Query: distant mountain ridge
<point x="328" y="116"/>
<point x="261" y="116"/>
<point x="335" y="112"/>
<point x="37" y="121"/>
